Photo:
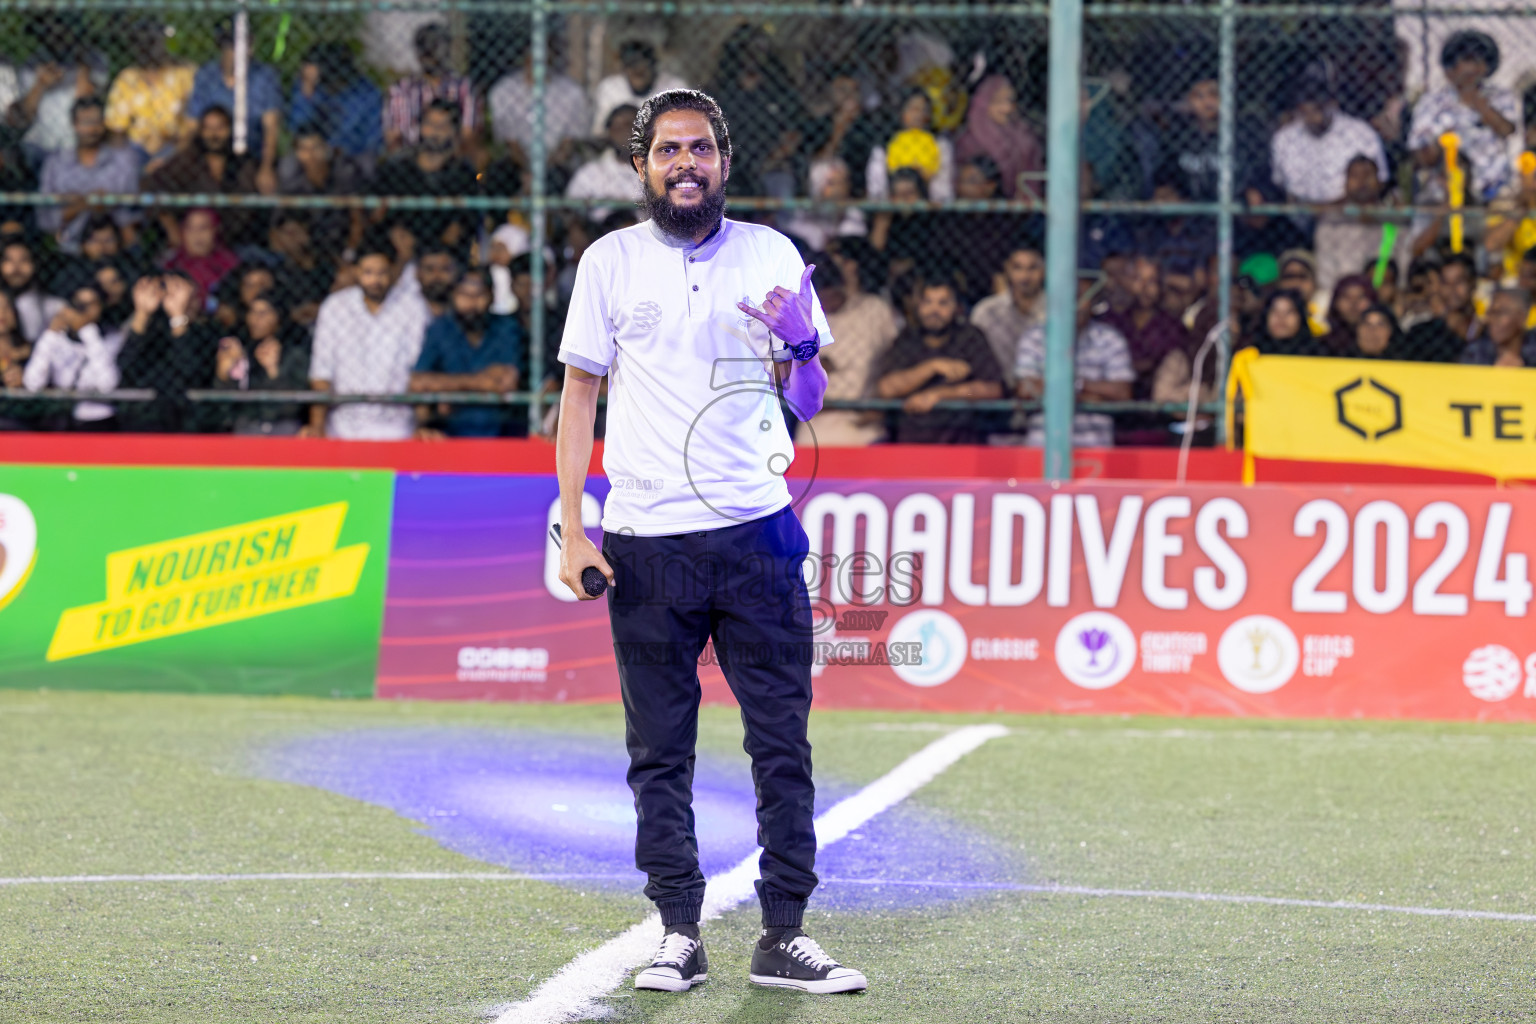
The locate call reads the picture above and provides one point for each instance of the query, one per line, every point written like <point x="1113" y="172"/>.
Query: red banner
<point x="986" y="595"/>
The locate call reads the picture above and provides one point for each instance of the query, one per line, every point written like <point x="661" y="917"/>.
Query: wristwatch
<point x="802" y="351"/>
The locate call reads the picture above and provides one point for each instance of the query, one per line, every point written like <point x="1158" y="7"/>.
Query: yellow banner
<point x="210" y="579"/>
<point x="1473" y="419"/>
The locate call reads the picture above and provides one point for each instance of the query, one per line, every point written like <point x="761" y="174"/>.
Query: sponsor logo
<point x="1258" y="654"/>
<point x="1492" y="672"/>
<point x="210" y="579"/>
<point x="1005" y="648"/>
<point x="503" y="664"/>
<point x="1170" y="653"/>
<point x="647" y="315"/>
<point x="943" y="645"/>
<point x="1369" y="408"/>
<point x="18" y="546"/>
<point x="1095" y="650"/>
<point x="1320" y="655"/>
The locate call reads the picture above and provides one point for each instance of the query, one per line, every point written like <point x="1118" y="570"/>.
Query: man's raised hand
<point x="787" y="314"/>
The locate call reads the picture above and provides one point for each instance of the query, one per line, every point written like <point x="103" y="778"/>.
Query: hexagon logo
<point x="1369" y="408"/>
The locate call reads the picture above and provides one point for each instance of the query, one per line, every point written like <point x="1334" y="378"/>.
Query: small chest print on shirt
<point x="647" y="315"/>
<point x="625" y="483"/>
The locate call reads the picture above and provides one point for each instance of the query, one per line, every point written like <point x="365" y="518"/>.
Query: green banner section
<point x="196" y="580"/>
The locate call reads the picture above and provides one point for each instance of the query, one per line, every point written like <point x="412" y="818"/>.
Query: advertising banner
<point x="244" y="581"/>
<point x="986" y="595"/>
<point x="1473" y="419"/>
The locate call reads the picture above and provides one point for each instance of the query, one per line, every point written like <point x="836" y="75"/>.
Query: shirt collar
<point x="704" y="249"/>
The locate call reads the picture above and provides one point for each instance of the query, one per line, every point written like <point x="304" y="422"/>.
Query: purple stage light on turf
<point x="557" y="804"/>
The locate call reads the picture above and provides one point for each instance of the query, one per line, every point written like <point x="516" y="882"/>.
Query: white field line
<point x="932" y="883"/>
<point x="310" y="876"/>
<point x="1198" y="897"/>
<point x="571" y="993"/>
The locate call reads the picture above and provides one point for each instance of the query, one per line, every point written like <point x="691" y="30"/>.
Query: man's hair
<point x="449" y="107"/>
<point x="219" y="109"/>
<point x="437" y="248"/>
<point x="628" y="109"/>
<point x="1520" y="295"/>
<point x="929" y="282"/>
<point x="376" y="243"/>
<point x="480" y="274"/>
<point x="677" y="99"/>
<point x="1529" y="256"/>
<point x="987" y="166"/>
<point x="1026" y="244"/>
<point x="428" y="33"/>
<point x="911" y="174"/>
<point x="86" y="103"/>
<point x="521" y="264"/>
<point x="1311" y="87"/>
<point x="1470" y="44"/>
<point x="633" y="50"/>
<point x="101" y="222"/>
<point x="1370" y="267"/>
<point x="312" y="129"/>
<point x="1361" y="158"/>
<point x="1461" y="259"/>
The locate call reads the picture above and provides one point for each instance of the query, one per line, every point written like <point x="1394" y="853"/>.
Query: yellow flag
<point x="1471" y="419"/>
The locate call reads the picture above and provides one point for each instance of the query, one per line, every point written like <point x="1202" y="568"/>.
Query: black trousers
<point x="741" y="586"/>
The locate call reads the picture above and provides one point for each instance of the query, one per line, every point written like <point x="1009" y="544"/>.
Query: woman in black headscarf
<point x="1378" y="335"/>
<point x="1283" y="329"/>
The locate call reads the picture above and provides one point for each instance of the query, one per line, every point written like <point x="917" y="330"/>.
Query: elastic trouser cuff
<point x="680" y="912"/>
<point x="785" y="914"/>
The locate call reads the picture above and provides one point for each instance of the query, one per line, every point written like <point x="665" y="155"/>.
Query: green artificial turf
<point x="1407" y="814"/>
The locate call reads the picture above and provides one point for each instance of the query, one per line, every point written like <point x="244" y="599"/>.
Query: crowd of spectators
<point x="937" y="298"/>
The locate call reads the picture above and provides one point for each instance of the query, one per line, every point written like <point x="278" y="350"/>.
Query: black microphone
<point x="592" y="579"/>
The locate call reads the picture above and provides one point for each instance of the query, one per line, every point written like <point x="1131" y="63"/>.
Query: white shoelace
<point x="805" y="949"/>
<point x="675" y="949"/>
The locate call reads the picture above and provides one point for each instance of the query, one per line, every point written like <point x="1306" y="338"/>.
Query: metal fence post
<point x="1061" y="217"/>
<point x="1227" y="149"/>
<point x="538" y="52"/>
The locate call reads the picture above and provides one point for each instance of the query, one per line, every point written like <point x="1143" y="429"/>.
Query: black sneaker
<point x="796" y="961"/>
<point x="679" y="965"/>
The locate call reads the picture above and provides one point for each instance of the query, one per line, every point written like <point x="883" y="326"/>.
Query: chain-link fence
<point x="365" y="220"/>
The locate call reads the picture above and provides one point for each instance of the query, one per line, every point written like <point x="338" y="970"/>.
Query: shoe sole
<point x="852" y="983"/>
<point x="663" y="984"/>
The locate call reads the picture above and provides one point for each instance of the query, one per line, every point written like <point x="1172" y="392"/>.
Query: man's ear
<point x="725" y="169"/>
<point x="638" y="163"/>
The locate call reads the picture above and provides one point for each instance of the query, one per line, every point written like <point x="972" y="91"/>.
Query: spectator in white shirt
<point x="567" y="115"/>
<point x="1311" y="154"/>
<point x="367" y="338"/>
<point x="638" y="82"/>
<point x="74" y="353"/>
<point x="1483" y="116"/>
<point x="611" y="175"/>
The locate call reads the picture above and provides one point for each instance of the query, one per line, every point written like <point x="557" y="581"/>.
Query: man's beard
<point x="684" y="222"/>
<point x="473" y="323"/>
<point x="437" y="293"/>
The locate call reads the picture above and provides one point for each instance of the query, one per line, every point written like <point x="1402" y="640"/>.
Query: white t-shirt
<point x="695" y="437"/>
<point x="360" y="352"/>
<point x="1313" y="167"/>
